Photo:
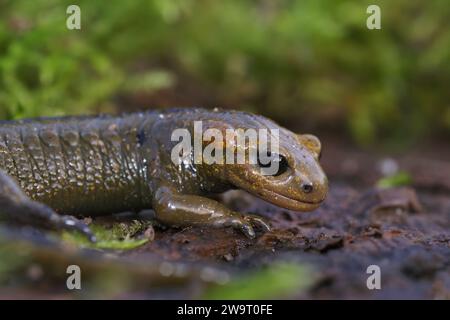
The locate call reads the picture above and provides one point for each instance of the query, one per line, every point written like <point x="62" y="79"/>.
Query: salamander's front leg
<point x="188" y="210"/>
<point x="16" y="206"/>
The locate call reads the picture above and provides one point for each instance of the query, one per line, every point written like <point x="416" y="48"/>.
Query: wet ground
<point x="403" y="230"/>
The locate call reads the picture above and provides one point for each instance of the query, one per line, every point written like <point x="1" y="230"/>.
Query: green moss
<point x="313" y="60"/>
<point x="397" y="180"/>
<point x="121" y="236"/>
<point x="275" y="281"/>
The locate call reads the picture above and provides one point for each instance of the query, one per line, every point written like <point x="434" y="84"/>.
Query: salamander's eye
<point x="282" y="163"/>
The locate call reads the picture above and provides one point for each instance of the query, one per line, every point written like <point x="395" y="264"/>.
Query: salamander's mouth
<point x="276" y="198"/>
<point x="286" y="202"/>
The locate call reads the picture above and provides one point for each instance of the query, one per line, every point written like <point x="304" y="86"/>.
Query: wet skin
<point x="56" y="168"/>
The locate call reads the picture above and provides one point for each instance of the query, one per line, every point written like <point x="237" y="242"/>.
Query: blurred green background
<point x="310" y="64"/>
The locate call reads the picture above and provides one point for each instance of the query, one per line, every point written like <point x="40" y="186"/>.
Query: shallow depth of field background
<point x="308" y="64"/>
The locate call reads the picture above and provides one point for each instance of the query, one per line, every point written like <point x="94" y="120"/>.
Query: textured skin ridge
<point x="57" y="160"/>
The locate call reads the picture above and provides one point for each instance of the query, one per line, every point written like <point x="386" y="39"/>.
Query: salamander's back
<point x="59" y="161"/>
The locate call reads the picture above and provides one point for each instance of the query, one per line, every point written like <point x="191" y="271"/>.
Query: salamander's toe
<point x="247" y="229"/>
<point x="237" y="222"/>
<point x="243" y="222"/>
<point x="258" y="222"/>
<point x="71" y="223"/>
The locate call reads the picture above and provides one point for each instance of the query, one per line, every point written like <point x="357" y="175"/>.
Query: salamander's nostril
<point x="307" y="187"/>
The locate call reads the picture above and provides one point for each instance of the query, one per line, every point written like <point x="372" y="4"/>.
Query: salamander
<point x="56" y="170"/>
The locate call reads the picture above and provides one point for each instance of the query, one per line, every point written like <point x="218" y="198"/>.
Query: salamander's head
<point x="299" y="182"/>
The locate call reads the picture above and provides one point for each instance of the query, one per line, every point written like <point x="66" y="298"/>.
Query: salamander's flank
<point x="54" y="168"/>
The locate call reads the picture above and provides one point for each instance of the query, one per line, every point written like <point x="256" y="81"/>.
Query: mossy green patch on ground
<point x="279" y="279"/>
<point x="397" y="180"/>
<point x="120" y="236"/>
